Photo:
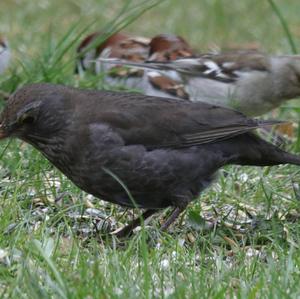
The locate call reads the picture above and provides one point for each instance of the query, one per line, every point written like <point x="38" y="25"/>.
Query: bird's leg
<point x="127" y="230"/>
<point x="174" y="215"/>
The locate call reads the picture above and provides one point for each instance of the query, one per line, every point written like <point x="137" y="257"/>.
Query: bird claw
<point x="128" y="229"/>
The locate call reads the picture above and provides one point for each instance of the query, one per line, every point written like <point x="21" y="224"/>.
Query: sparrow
<point x="119" y="45"/>
<point x="4" y="55"/>
<point x="134" y="150"/>
<point x="162" y="47"/>
<point x="246" y="80"/>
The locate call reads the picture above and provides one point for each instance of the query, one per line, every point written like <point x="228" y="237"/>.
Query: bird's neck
<point x="53" y="148"/>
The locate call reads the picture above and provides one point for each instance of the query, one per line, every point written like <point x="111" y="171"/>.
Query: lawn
<point x="239" y="240"/>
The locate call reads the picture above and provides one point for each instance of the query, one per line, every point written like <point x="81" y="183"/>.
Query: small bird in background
<point x="119" y="45"/>
<point x="168" y="47"/>
<point x="248" y="81"/>
<point x="163" y="47"/>
<point x="4" y="55"/>
<point x="165" y="152"/>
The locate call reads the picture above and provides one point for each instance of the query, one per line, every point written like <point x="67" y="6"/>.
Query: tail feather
<point x="260" y="152"/>
<point x="270" y="122"/>
<point x="284" y="157"/>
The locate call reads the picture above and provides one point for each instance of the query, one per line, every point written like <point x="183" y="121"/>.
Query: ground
<point x="239" y="240"/>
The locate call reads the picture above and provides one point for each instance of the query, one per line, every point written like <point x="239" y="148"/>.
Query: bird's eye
<point x="27" y="119"/>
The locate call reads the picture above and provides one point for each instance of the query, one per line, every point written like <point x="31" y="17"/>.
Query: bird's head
<point x="34" y="113"/>
<point x="287" y="76"/>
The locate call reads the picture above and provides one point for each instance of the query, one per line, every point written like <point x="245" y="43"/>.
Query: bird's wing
<point x="160" y="122"/>
<point x="168" y="85"/>
<point x="226" y="67"/>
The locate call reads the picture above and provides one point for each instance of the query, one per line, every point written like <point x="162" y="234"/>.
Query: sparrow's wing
<point x="169" y="86"/>
<point x="161" y="122"/>
<point x="226" y="67"/>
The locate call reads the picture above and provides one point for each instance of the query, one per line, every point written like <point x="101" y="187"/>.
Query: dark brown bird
<point x="165" y="152"/>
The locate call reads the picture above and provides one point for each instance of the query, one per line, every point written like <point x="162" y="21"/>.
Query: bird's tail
<point x="283" y="157"/>
<point x="259" y="152"/>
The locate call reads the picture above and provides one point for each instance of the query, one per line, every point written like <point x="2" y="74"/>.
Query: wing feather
<point x="161" y="122"/>
<point x="224" y="67"/>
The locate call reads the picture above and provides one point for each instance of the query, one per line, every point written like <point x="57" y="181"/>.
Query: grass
<point x="239" y="240"/>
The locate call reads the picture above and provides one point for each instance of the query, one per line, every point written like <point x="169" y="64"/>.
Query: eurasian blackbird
<point x="136" y="150"/>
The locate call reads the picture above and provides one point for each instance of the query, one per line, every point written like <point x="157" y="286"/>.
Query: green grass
<point x="239" y="240"/>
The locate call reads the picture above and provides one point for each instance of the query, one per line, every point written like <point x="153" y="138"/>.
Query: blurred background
<point x="203" y="23"/>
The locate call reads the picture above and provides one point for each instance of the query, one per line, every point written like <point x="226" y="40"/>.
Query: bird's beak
<point x="2" y="132"/>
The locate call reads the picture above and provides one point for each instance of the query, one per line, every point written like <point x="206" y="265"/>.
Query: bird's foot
<point x="128" y="229"/>
<point x="174" y="215"/>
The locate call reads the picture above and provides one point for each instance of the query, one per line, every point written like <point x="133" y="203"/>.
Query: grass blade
<point x="284" y="26"/>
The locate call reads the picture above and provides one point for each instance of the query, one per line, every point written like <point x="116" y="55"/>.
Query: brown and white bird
<point x="165" y="152"/>
<point x="248" y="81"/>
<point x="163" y="47"/>
<point x="4" y="55"/>
<point x="121" y="46"/>
<point x="166" y="48"/>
